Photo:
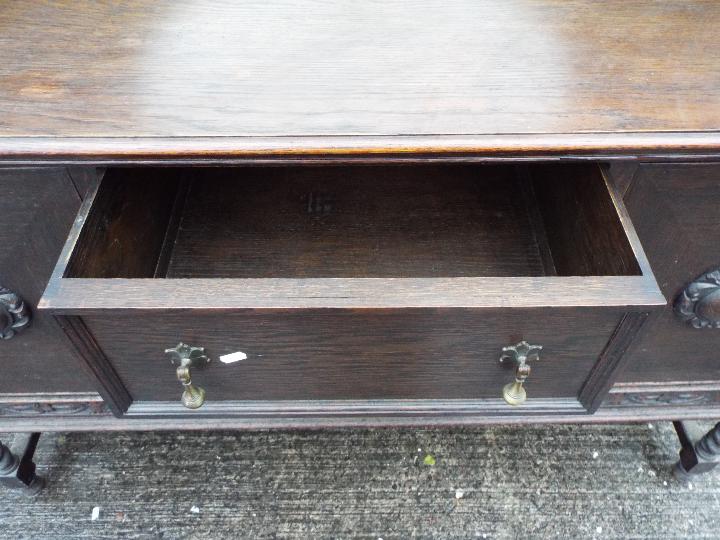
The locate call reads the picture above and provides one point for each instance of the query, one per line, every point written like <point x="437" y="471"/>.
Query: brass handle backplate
<point x="14" y="314"/>
<point x="186" y="357"/>
<point x="699" y="303"/>
<point x="520" y="354"/>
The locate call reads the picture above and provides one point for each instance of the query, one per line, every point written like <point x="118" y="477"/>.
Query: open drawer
<point x="384" y="291"/>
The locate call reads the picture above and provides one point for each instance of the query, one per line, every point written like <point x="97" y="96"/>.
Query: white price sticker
<point x="233" y="357"/>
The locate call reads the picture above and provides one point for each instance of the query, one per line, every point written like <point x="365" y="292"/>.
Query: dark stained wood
<point x="15" y="315"/>
<point x="581" y="222"/>
<point x="292" y="233"/>
<point x="676" y="210"/>
<point x="109" y="385"/>
<point x="17" y="468"/>
<point x="418" y="84"/>
<point x="699" y="304"/>
<point x="666" y="387"/>
<point x="161" y="295"/>
<point x="154" y="416"/>
<point x="537" y="223"/>
<point x="70" y="295"/>
<point x="56" y="404"/>
<point x="166" y="69"/>
<point x="696" y="457"/>
<point x="622" y="174"/>
<point x="317" y="150"/>
<point x="172" y="230"/>
<point x="356" y="354"/>
<point x="612" y="359"/>
<point x="358" y="412"/>
<point x="125" y="230"/>
<point x="345" y="222"/>
<point x="85" y="178"/>
<point x="402" y="221"/>
<point x="37" y="208"/>
<point x="650" y="394"/>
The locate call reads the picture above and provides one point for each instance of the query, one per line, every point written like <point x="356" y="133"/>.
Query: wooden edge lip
<point x="629" y="229"/>
<point x="73" y="236"/>
<point x="604" y="415"/>
<point x="356" y="408"/>
<point x="161" y="148"/>
<point x="80" y="295"/>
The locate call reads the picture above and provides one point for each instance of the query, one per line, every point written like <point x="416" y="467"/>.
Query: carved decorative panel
<point x="14" y="314"/>
<point x="699" y="303"/>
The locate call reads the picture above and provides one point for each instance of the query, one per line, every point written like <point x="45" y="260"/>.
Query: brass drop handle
<point x="521" y="353"/>
<point x="186" y="357"/>
<point x="14" y="314"/>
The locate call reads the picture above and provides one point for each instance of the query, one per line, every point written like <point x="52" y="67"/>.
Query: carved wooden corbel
<point x="14" y="314"/>
<point x="699" y="303"/>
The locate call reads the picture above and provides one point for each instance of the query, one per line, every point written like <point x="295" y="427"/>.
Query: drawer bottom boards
<point x="339" y="360"/>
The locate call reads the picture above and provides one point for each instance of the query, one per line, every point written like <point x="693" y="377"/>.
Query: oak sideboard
<point x="302" y="214"/>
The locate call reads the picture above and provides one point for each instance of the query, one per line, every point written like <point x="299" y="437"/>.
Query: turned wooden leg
<point x="699" y="457"/>
<point x="17" y="469"/>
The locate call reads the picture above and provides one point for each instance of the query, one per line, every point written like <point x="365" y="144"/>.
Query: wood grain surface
<point x="355" y="222"/>
<point x="72" y="290"/>
<point x="166" y="69"/>
<point x="125" y="231"/>
<point x="356" y="354"/>
<point x="676" y="209"/>
<point x="37" y="208"/>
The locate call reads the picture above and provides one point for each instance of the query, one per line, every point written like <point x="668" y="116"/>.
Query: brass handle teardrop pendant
<point x="520" y="354"/>
<point x="186" y="357"/>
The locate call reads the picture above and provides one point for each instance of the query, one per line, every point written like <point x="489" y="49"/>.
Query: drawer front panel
<point x="356" y="354"/>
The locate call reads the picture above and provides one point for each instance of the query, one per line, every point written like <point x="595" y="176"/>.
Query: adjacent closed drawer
<point x="356" y="290"/>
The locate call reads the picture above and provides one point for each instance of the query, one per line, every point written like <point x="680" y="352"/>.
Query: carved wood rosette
<point x="699" y="303"/>
<point x="14" y="314"/>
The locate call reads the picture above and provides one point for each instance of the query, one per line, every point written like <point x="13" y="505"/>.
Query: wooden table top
<point x="201" y="78"/>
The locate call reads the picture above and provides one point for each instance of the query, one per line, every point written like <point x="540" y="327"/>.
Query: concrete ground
<point x="565" y="482"/>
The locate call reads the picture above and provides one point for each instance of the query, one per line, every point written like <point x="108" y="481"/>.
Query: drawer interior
<point x="360" y="221"/>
